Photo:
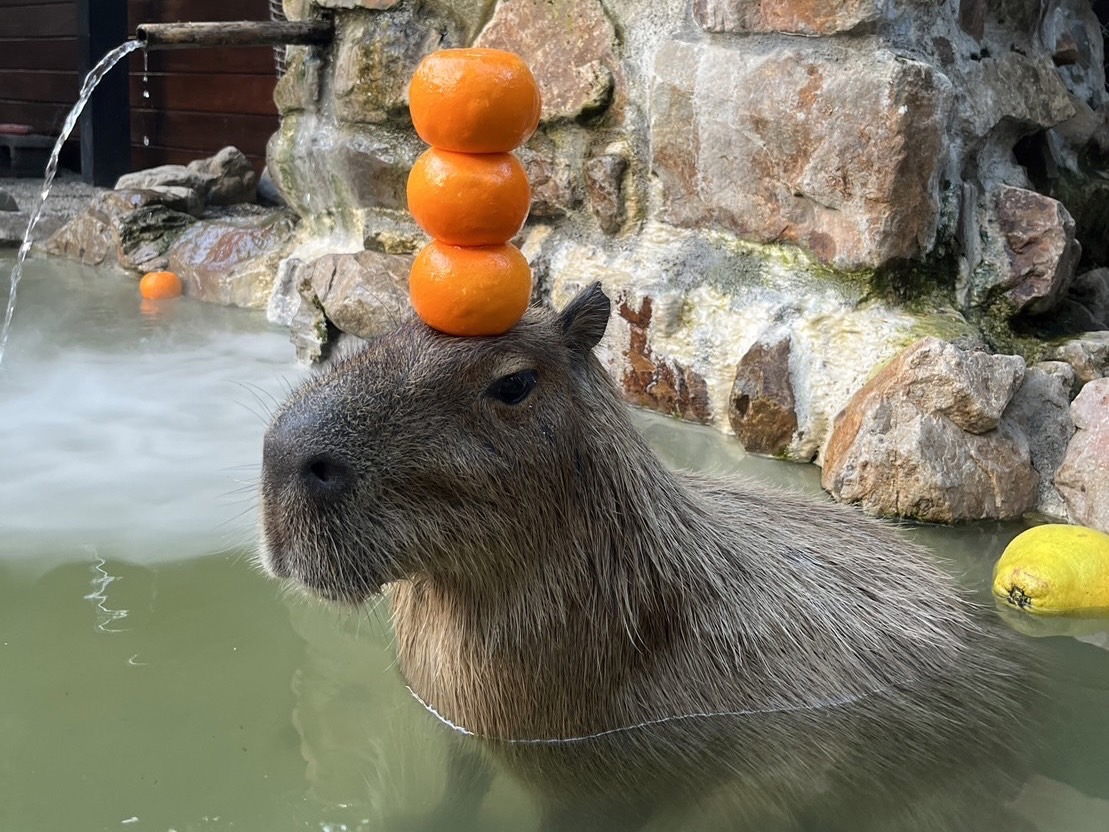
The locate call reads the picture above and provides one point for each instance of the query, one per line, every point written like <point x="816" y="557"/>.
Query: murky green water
<point x="150" y="679"/>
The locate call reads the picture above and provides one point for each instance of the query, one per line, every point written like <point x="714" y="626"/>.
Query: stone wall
<point x="800" y="209"/>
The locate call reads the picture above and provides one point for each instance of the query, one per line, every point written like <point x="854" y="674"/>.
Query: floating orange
<point x="481" y="290"/>
<point x="466" y="199"/>
<point x="474" y="100"/>
<point x="160" y="285"/>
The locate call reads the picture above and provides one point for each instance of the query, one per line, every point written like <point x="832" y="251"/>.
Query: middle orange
<point x="469" y="199"/>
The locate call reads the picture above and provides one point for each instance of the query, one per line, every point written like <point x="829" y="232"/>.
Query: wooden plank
<point x="47" y="87"/>
<point x="58" y="54"/>
<point x="48" y="20"/>
<point x="149" y="157"/>
<point x="251" y="94"/>
<point x="235" y="33"/>
<point x="43" y="118"/>
<point x="106" y="123"/>
<point x="203" y="132"/>
<point x="172" y="11"/>
<point x="253" y="60"/>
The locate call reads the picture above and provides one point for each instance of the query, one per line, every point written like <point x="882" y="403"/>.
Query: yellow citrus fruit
<point x="1055" y="570"/>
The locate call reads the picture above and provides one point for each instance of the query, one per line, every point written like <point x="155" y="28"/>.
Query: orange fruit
<point x="160" y="285"/>
<point x="482" y="290"/>
<point x="468" y="199"/>
<point x="474" y="100"/>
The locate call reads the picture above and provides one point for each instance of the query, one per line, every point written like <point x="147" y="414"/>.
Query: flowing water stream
<point x="87" y="88"/>
<point x="151" y="679"/>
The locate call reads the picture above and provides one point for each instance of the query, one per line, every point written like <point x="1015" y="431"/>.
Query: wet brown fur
<point x="551" y="578"/>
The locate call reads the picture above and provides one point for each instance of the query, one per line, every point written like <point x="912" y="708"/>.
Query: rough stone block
<point x="843" y="158"/>
<point x="762" y="408"/>
<point x="1081" y="479"/>
<point x="902" y="446"/>
<point x="1040" y="247"/>
<point x="805" y="17"/>
<point x="569" y="46"/>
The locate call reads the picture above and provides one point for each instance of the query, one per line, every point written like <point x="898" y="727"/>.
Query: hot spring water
<point x="152" y="680"/>
<point x="88" y="86"/>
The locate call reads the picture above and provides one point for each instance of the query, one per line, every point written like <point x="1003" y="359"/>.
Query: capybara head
<point x="427" y="454"/>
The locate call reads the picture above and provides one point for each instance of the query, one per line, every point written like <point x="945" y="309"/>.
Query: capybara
<point x="551" y="579"/>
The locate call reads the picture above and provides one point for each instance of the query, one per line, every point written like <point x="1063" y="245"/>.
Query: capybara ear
<point x="585" y="319"/>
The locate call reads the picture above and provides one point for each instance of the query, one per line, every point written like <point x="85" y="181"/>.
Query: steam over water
<point x="150" y="679"/>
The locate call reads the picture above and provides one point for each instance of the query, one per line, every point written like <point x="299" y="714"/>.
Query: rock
<point x="551" y="174"/>
<point x="178" y="198"/>
<point x="1014" y="93"/>
<point x="972" y="17"/>
<point x="762" y="411"/>
<point x="1088" y="354"/>
<point x="1082" y="479"/>
<point x="843" y="159"/>
<point x="392" y="232"/>
<point x="569" y="46"/>
<point x="1068" y="316"/>
<point x="310" y="332"/>
<point x="334" y="173"/>
<point x="165" y="176"/>
<point x="232" y="259"/>
<point x="1041" y="409"/>
<point x="925" y="439"/>
<point x="376" y="5"/>
<point x="293" y="303"/>
<point x="223" y="179"/>
<point x="363" y="294"/>
<point x="230" y="176"/>
<point x="299" y="88"/>
<point x="972" y="389"/>
<point x="296" y="9"/>
<point x="1041" y="248"/>
<point x="805" y="17"/>
<point x="268" y="194"/>
<point x="376" y="165"/>
<point x="13" y="224"/>
<point x="145" y="235"/>
<point x="375" y="57"/>
<point x="1064" y="372"/>
<point x="710" y="302"/>
<point x="654" y="382"/>
<point x="1066" y="50"/>
<point x="93" y="236"/>
<point x="285" y="299"/>
<point x="604" y="189"/>
<point x="7" y="202"/>
<point x="1092" y="291"/>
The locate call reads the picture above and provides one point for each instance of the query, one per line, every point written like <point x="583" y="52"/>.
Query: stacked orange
<point x="468" y="191"/>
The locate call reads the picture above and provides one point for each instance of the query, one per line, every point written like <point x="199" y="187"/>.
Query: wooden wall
<point x="201" y="99"/>
<point x="38" y="62"/>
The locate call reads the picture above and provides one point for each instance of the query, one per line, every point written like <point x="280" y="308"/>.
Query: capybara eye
<point x="515" y="388"/>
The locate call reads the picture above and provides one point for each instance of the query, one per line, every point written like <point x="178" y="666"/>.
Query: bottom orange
<point x="480" y="290"/>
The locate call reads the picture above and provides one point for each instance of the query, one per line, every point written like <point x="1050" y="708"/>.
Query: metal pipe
<point x="238" y="33"/>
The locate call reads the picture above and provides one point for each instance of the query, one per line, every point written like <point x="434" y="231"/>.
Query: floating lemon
<point x="1055" y="570"/>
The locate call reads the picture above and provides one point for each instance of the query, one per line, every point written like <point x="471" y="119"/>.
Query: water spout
<point x="240" y="33"/>
<point x="91" y="80"/>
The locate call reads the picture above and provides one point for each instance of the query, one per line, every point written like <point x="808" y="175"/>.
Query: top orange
<point x="474" y="100"/>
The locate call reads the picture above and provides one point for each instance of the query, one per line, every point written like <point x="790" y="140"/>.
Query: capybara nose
<point x="293" y="459"/>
